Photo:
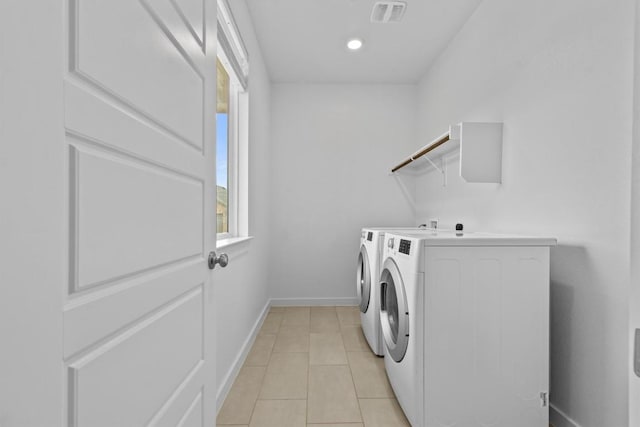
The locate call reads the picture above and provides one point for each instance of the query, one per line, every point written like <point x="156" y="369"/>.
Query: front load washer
<point x="367" y="279"/>
<point x="464" y="318"/>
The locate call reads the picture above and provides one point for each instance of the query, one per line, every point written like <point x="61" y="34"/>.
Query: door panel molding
<point x="110" y="381"/>
<point x="168" y="19"/>
<point x="94" y="59"/>
<point x="187" y="15"/>
<point x="98" y="120"/>
<point x="104" y="315"/>
<point x="141" y="201"/>
<point x="193" y="415"/>
<point x="181" y="402"/>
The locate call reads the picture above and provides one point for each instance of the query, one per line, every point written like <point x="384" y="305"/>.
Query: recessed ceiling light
<point x="354" y="44"/>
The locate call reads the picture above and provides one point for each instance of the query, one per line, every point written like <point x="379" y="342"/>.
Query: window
<point x="231" y="128"/>
<point x="222" y="149"/>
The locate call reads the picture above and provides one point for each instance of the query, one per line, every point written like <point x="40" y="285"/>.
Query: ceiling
<point x="305" y="40"/>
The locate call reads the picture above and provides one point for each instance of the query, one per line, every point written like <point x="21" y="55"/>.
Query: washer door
<point x="394" y="311"/>
<point x="363" y="279"/>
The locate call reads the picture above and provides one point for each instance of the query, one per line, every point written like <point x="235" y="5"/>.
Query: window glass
<point x="222" y="149"/>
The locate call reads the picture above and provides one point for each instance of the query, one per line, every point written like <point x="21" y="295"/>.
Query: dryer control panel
<point x="405" y="246"/>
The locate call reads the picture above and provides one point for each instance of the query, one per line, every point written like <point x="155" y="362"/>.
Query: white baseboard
<point x="315" y="302"/>
<point x="560" y="419"/>
<point x="224" y="389"/>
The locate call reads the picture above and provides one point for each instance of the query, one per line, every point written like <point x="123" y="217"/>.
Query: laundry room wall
<point x="241" y="288"/>
<point x="332" y="149"/>
<point x="560" y="77"/>
<point x="634" y="291"/>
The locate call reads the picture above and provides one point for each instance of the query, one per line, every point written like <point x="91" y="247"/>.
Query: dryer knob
<point x="390" y="243"/>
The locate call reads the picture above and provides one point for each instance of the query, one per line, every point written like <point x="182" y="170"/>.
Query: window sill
<point x="232" y="241"/>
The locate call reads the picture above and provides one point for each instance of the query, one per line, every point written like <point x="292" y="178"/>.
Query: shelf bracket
<point x="406" y="191"/>
<point x="438" y="168"/>
<point x="442" y="168"/>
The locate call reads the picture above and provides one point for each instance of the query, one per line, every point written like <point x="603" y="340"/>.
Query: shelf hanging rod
<point x="435" y="144"/>
<point x="425" y="150"/>
<point x="401" y="165"/>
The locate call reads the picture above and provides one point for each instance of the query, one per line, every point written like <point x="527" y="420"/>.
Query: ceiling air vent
<point x="388" y="11"/>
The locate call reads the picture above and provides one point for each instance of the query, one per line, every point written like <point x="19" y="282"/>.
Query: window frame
<point x="232" y="54"/>
<point x="232" y="148"/>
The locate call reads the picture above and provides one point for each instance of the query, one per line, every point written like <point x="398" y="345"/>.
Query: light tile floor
<point x="311" y="366"/>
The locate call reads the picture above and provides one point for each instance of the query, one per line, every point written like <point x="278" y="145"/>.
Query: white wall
<point x="332" y="149"/>
<point x="241" y="288"/>
<point x="634" y="296"/>
<point x="34" y="236"/>
<point x="559" y="75"/>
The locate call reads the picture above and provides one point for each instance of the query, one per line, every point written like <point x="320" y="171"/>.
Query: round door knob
<point x="223" y="260"/>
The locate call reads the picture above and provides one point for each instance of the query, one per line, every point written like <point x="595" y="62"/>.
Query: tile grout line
<point x="353" y="381"/>
<point x="308" y="370"/>
<point x="308" y="377"/>
<point x="341" y="328"/>
<point x="253" y="410"/>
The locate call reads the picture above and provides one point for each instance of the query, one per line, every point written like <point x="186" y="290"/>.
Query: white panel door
<point x="137" y="316"/>
<point x="125" y="300"/>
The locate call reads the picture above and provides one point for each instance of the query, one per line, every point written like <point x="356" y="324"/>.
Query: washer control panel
<point x="405" y="246"/>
